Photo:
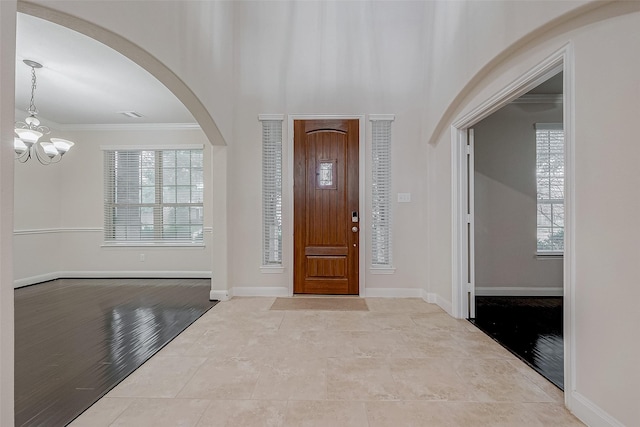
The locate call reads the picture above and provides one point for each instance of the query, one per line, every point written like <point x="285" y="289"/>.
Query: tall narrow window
<point x="381" y="241"/>
<point x="271" y="190"/>
<point x="153" y="196"/>
<point x="550" y="183"/>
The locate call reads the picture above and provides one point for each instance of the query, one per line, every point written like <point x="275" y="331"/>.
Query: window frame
<point x="109" y="239"/>
<point x="548" y="128"/>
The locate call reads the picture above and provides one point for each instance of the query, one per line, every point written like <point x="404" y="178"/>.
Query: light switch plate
<point x="404" y="197"/>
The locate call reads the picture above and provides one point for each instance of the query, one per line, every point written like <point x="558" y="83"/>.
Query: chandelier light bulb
<point x="19" y="146"/>
<point x="29" y="136"/>
<point x="62" y="145"/>
<point x="49" y="149"/>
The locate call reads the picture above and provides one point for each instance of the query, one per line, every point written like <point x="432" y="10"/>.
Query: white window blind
<point x="550" y="184"/>
<point x="153" y="196"/>
<point x="381" y="239"/>
<point x="272" y="192"/>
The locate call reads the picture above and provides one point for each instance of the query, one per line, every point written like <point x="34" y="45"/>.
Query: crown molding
<point x="129" y="127"/>
<point x="264" y="117"/>
<point x="54" y="126"/>
<point x="382" y="117"/>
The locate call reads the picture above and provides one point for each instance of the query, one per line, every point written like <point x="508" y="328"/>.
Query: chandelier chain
<point x="32" y="104"/>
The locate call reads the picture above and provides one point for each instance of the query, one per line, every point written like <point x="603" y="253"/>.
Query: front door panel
<point x="326" y="238"/>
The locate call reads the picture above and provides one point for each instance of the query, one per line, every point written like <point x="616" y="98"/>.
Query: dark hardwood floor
<point x="529" y="327"/>
<point x="75" y="339"/>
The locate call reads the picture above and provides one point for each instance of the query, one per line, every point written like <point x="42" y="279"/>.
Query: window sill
<point x="382" y="270"/>
<point x="269" y="269"/>
<point x="152" y="245"/>
<point x="549" y="255"/>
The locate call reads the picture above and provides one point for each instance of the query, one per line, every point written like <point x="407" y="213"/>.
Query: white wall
<point x="7" y="87"/>
<point x="328" y="58"/>
<point x="604" y="362"/>
<point x="607" y="67"/>
<point x="60" y="214"/>
<point x="468" y="38"/>
<point x="37" y="191"/>
<point x="506" y="202"/>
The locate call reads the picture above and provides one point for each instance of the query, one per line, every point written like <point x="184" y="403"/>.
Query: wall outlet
<point x="404" y="197"/>
<point x="141" y="257"/>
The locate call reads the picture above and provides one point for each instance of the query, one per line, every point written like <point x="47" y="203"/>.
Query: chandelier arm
<point x="24" y="157"/>
<point x="42" y="158"/>
<point x="44" y="129"/>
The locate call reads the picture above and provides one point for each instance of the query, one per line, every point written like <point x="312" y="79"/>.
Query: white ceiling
<point x="85" y="82"/>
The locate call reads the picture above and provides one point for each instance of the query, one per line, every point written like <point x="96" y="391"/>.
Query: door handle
<point x="354" y="229"/>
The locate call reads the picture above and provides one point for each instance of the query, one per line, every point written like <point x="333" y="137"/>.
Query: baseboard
<point x="444" y="304"/>
<point x="28" y="281"/>
<point x="219" y="295"/>
<point x="153" y="274"/>
<point x="590" y="413"/>
<point x="519" y="291"/>
<point x="260" y="291"/>
<point x="393" y="292"/>
<point x="283" y="291"/>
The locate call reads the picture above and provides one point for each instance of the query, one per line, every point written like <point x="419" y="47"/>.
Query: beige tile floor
<point x="403" y="363"/>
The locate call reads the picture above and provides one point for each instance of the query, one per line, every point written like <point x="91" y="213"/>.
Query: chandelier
<point x="30" y="131"/>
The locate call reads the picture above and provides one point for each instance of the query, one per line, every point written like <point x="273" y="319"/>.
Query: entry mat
<point x="321" y="303"/>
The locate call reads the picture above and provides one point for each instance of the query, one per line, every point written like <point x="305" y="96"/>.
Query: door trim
<point x="561" y="60"/>
<point x="471" y="226"/>
<point x="288" y="205"/>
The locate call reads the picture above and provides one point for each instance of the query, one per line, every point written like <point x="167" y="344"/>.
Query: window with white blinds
<point x="550" y="184"/>
<point x="153" y="196"/>
<point x="271" y="192"/>
<point x="381" y="238"/>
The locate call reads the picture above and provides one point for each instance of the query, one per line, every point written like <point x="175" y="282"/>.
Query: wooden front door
<point x="326" y="206"/>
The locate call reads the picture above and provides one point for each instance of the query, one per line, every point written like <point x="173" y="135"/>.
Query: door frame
<point x="288" y="207"/>
<point x="561" y="60"/>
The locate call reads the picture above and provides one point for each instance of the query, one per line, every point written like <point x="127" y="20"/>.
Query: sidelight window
<point x="381" y="237"/>
<point x="271" y="190"/>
